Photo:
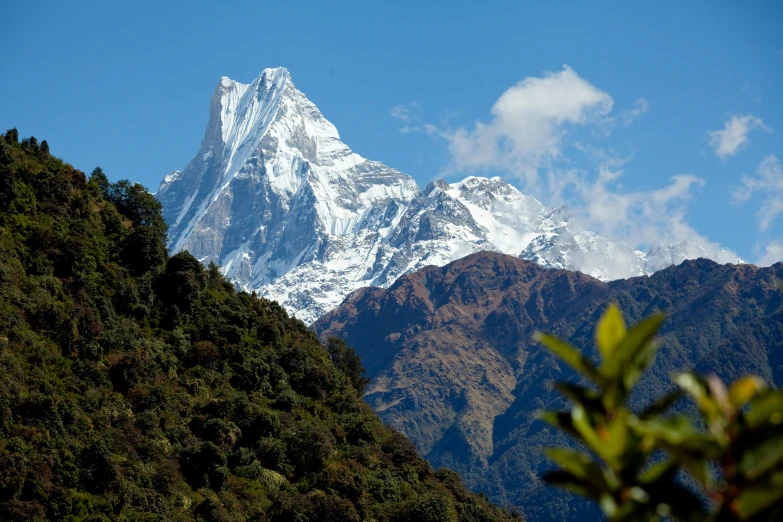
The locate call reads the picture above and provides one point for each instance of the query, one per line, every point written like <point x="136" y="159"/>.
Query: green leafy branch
<point x="737" y="460"/>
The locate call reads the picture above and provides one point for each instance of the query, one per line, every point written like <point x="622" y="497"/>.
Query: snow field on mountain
<point x="288" y="210"/>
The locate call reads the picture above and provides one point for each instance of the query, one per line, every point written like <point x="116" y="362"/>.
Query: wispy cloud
<point x="753" y="91"/>
<point x="768" y="183"/>
<point x="527" y="126"/>
<point x="640" y="107"/>
<point x="400" y="112"/>
<point x="645" y="217"/>
<point x="729" y="140"/>
<point x="407" y="114"/>
<point x="773" y="253"/>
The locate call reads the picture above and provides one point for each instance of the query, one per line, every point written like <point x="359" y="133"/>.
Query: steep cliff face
<point x="287" y="209"/>
<point x="453" y="364"/>
<point x="273" y="188"/>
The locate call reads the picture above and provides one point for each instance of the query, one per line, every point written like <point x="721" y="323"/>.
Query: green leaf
<point x="569" y="355"/>
<point x="762" y="456"/>
<point x="561" y="420"/>
<point x="608" y="505"/>
<point x="757" y="498"/>
<point x="699" y="390"/>
<point x="662" y="404"/>
<point x="616" y="438"/>
<point x="766" y="408"/>
<point x="639" y="364"/>
<point x="692" y="385"/>
<point x="640" y="334"/>
<point x="582" y="466"/>
<point x="580" y="395"/>
<point x="677" y="430"/>
<point x="635" y="340"/>
<point x="581" y="423"/>
<point x="684" y="444"/>
<point x="697" y="466"/>
<point x="743" y="390"/>
<point x="610" y="331"/>
<point x="566" y="480"/>
<point x="665" y="470"/>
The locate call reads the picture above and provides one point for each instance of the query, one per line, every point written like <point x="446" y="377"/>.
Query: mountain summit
<point x="288" y="210"/>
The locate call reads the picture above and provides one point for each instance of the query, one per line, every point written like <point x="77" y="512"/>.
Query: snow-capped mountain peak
<point x="668" y="254"/>
<point x="272" y="187"/>
<point x="287" y="209"/>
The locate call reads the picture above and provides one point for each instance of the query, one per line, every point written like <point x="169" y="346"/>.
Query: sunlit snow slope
<point x="285" y="208"/>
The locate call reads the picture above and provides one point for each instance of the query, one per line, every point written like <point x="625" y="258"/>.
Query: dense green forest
<point x="138" y="386"/>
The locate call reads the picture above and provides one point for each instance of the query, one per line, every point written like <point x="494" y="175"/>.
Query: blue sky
<point x="666" y="122"/>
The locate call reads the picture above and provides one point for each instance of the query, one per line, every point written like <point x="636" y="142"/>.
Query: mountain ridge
<point x="288" y="210"/>
<point x="453" y="364"/>
<point x="138" y="386"/>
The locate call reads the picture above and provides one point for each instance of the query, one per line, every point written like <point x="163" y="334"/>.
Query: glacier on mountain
<point x="276" y="199"/>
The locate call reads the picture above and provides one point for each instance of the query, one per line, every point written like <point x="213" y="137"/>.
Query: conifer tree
<point x="12" y="136"/>
<point x="98" y="177"/>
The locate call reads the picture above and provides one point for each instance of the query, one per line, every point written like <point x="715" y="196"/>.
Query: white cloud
<point x="640" y="218"/>
<point x="407" y="115"/>
<point x="527" y="136"/>
<point x="645" y="218"/>
<point x="728" y="141"/>
<point x="768" y="181"/>
<point x="640" y="107"/>
<point x="401" y="112"/>
<point x="637" y="217"/>
<point x="527" y="126"/>
<point x="773" y="253"/>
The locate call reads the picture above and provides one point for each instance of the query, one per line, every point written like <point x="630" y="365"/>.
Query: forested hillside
<point x="136" y="386"/>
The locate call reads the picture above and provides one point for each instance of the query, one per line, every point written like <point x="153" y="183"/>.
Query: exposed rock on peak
<point x="276" y="199"/>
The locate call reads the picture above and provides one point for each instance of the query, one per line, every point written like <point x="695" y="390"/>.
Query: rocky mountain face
<point x="453" y="365"/>
<point x="285" y="208"/>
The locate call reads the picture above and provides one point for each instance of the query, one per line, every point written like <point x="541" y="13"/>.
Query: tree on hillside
<point x="99" y="179"/>
<point x="347" y="361"/>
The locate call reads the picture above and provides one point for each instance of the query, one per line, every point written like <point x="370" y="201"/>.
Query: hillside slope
<point x="454" y="366"/>
<point x="138" y="387"/>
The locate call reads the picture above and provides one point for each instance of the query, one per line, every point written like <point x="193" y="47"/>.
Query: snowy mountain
<point x="285" y="208"/>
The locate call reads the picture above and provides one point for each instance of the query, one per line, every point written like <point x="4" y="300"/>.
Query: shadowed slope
<point x="453" y="364"/>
